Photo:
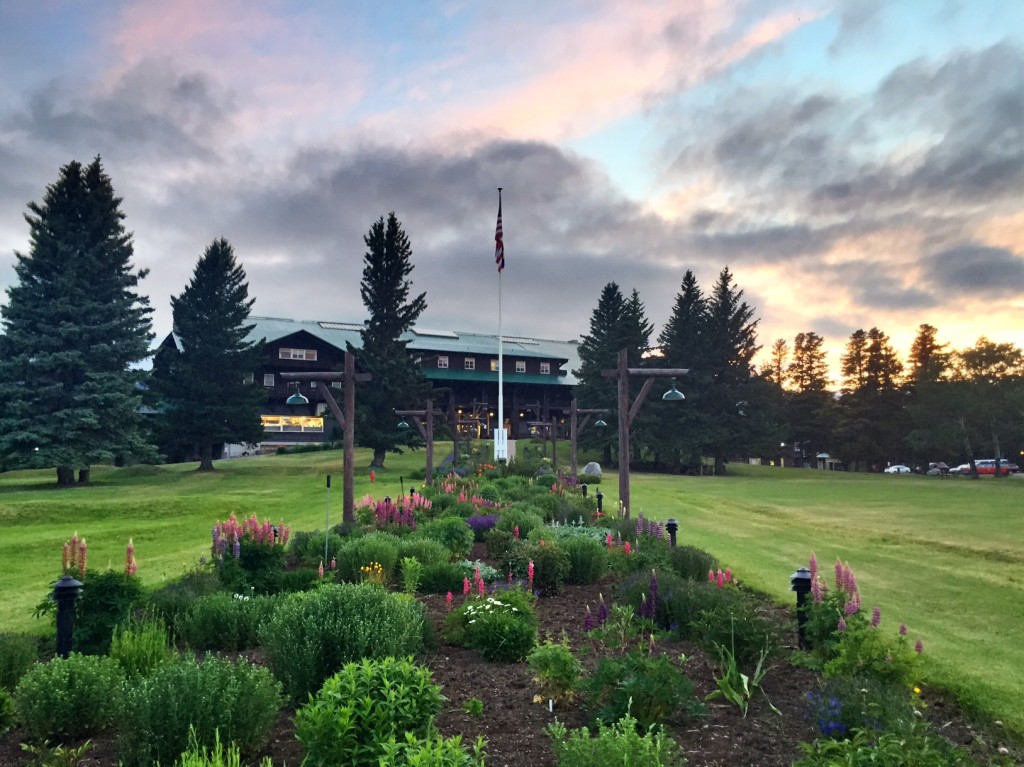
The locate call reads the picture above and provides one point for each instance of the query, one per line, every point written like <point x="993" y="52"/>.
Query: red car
<point x="988" y="466"/>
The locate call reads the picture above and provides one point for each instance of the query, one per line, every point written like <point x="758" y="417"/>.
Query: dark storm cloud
<point x="150" y="112"/>
<point x="973" y="269"/>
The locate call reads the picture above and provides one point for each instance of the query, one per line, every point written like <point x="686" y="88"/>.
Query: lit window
<point x="297" y="354"/>
<point x="292" y="423"/>
<point x="520" y="366"/>
<point x="469" y="363"/>
<point x="248" y="378"/>
<point x="442" y="363"/>
<point x="494" y="366"/>
<point x="268" y="379"/>
<point x="545" y="368"/>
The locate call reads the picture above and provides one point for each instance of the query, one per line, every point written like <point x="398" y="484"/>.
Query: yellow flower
<point x="917" y="691"/>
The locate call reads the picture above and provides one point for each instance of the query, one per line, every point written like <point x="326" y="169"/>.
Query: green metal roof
<point x="339" y="334"/>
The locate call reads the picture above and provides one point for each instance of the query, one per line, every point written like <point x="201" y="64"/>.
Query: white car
<point x="899" y="468"/>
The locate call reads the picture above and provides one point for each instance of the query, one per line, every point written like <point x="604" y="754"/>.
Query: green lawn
<point x="942" y="556"/>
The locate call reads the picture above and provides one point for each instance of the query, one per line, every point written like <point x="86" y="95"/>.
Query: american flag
<point x="499" y="242"/>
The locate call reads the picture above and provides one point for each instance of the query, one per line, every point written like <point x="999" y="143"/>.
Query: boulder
<point x="592" y="469"/>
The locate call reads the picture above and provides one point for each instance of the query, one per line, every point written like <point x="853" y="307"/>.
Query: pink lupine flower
<point x="876" y="616"/>
<point x="334" y="563"/>
<point x="65" y="557"/>
<point x="842" y="625"/>
<point x="509" y="576"/>
<point x="476" y="574"/>
<point x="529" y="575"/>
<point x="720" y="579"/>
<point x="448" y="601"/>
<point x="903" y="629"/>
<point x="83" y="556"/>
<point x="851" y="608"/>
<point x="515" y="532"/>
<point x="481" y="587"/>
<point x="728" y="575"/>
<point x="320" y="570"/>
<point x="609" y="541"/>
<point x="816" y="591"/>
<point x="919" y="647"/>
<point x="465" y="587"/>
<point x="813" y="565"/>
<point x="628" y="549"/>
<point x="711" y="576"/>
<point x="130" y="567"/>
<point x="840" y="578"/>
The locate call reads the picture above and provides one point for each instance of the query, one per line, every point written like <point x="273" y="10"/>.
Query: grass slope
<point x="942" y="556"/>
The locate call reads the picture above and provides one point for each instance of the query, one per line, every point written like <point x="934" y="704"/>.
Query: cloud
<point x="977" y="270"/>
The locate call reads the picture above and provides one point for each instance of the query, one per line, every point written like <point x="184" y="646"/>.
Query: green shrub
<point x="551" y="566"/>
<point x="224" y="621"/>
<point x="8" y="712"/>
<point x="452" y="532"/>
<point x="412" y="571"/>
<point x="303" y="579"/>
<point x="499" y="543"/>
<point x="866" y="651"/>
<point x="616" y="745"/>
<point x="212" y="699"/>
<point x="71" y="697"/>
<point x="650" y="687"/>
<point x="17" y="654"/>
<point x="106" y="602"/>
<point x="355" y="553"/>
<point x="427" y="550"/>
<point x="680" y="601"/>
<point x="589" y="479"/>
<point x="588" y="559"/>
<point x="441" y="578"/>
<point x="847" y="704"/>
<point x="490" y="492"/>
<point x="436" y="751"/>
<point x="501" y="628"/>
<point x="521" y="515"/>
<point x="170" y="601"/>
<point x="312" y="635"/>
<point x="361" y="707"/>
<point x="917" y="746"/>
<point x="256" y="569"/>
<point x="546" y="503"/>
<point x="691" y="562"/>
<point x="557" y="672"/>
<point x="739" y="622"/>
<point x="141" y="648"/>
<point x="307" y="547"/>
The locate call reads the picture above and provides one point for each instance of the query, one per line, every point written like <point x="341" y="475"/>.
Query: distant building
<point x="537" y="383"/>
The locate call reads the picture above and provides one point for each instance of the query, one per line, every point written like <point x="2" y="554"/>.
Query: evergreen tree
<point x="810" y="405"/>
<point x="777" y="369"/>
<point x="398" y="381"/>
<point x="204" y="397"/>
<point x="75" y="326"/>
<point x="928" y="358"/>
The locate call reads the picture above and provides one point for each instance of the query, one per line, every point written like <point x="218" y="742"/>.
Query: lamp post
<point x="576" y="428"/>
<point x="346" y="419"/>
<point x="424" y="420"/>
<point x="628" y="412"/>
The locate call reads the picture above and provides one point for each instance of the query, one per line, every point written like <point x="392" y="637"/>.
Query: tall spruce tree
<point x="810" y="405"/>
<point x="398" y="381"/>
<point x="75" y="326"/>
<point x="205" y="399"/>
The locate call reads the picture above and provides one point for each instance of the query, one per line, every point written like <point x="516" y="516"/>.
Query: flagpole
<point x="500" y="436"/>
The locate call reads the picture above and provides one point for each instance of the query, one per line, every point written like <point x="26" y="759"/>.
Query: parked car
<point x="964" y="468"/>
<point x="988" y="466"/>
<point x="898" y="468"/>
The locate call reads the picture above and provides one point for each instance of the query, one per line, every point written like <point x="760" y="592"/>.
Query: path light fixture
<point x="628" y="412"/>
<point x="297" y="399"/>
<point x="345" y="419"/>
<point x="403" y="424"/>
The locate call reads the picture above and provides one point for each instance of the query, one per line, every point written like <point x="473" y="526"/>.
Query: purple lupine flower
<point x="851" y="608"/>
<point x="816" y="591"/>
<point x="602" y="610"/>
<point x="876" y="616"/>
<point x="919" y="647"/>
<point x="840" y="578"/>
<point x="639" y="524"/>
<point x="842" y="625"/>
<point x="903" y="629"/>
<point x="588" y="620"/>
<point x="645" y="607"/>
<point x="661" y="531"/>
<point x="851" y="582"/>
<point x="236" y="548"/>
<point x="813" y="565"/>
<point x="653" y="588"/>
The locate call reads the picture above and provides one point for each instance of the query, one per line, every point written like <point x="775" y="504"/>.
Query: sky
<point x="854" y="163"/>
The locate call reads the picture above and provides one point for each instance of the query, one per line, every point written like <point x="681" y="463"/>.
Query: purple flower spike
<point x="842" y="625"/>
<point x="588" y="620"/>
<point x="919" y="647"/>
<point x="851" y="608"/>
<point x="876" y="616"/>
<point x="903" y="629"/>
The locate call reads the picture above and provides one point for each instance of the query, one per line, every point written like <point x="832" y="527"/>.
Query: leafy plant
<point x="106" y="601"/>
<point x="691" y="562"/>
<point x="215" y="756"/>
<point x="412" y="571"/>
<point x="550" y="562"/>
<point x="381" y="548"/>
<point x="224" y="621"/>
<point x="141" y="648"/>
<point x="735" y="686"/>
<point x="70" y="697"/>
<point x="17" y="654"/>
<point x="361" y="707"/>
<point x="426" y="550"/>
<point x="588" y="559"/>
<point x="8" y="712"/>
<point x="917" y="746"/>
<point x="846" y="704"/>
<point x="311" y="635"/>
<point x="441" y="578"/>
<point x="45" y="755"/>
<point x="452" y="532"/>
<point x="649" y="687"/>
<point x="502" y="628"/>
<point x="618" y="744"/>
<point x="473" y="707"/>
<point x="436" y="751"/>
<point x="194" y="704"/>
<point x="557" y="672"/>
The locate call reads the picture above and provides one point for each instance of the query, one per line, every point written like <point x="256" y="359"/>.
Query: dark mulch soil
<point x="514" y="725"/>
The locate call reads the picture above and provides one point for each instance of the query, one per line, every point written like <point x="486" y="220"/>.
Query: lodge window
<point x="469" y="363"/>
<point x="545" y="368"/>
<point x="494" y="366"/>
<point x="248" y="378"/>
<point x="442" y="363"/>
<point x="297" y="354"/>
<point x="268" y="379"/>
<point x="520" y="366"/>
<point x="292" y="423"/>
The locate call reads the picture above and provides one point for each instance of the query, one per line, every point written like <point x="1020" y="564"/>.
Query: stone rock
<point x="593" y="469"/>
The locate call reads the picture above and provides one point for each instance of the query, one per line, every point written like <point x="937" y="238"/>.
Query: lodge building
<point x="537" y="378"/>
